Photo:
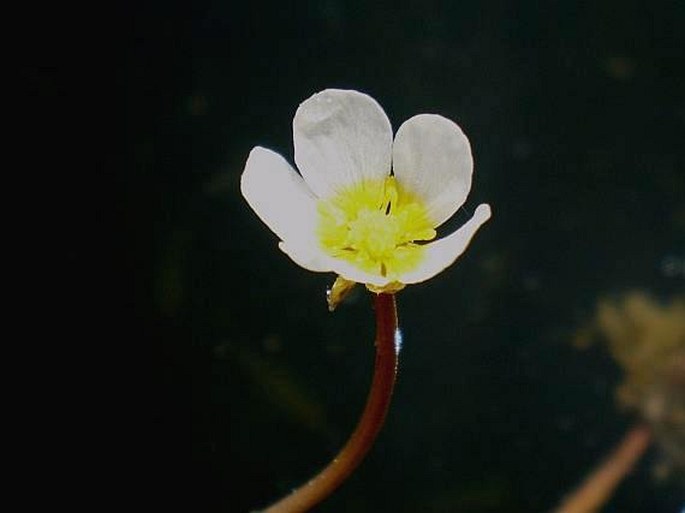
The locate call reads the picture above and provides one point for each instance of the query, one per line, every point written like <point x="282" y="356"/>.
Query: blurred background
<point x="507" y="392"/>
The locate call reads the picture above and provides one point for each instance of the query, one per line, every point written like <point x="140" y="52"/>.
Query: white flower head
<point x="349" y="211"/>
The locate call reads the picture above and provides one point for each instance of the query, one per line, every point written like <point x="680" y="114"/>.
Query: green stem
<point x="370" y="423"/>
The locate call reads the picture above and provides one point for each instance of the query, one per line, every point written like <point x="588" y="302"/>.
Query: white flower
<point x="350" y="214"/>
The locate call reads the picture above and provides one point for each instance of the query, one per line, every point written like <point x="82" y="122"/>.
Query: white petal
<point x="314" y="259"/>
<point x="442" y="253"/>
<point x="432" y="158"/>
<point x="353" y="273"/>
<point x="310" y="257"/>
<point x="341" y="137"/>
<point x="279" y="196"/>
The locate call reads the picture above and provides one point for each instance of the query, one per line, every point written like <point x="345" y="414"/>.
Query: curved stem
<point x="598" y="487"/>
<point x="370" y="423"/>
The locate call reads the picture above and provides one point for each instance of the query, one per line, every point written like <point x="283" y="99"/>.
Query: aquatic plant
<point x="647" y="340"/>
<point x="366" y="207"/>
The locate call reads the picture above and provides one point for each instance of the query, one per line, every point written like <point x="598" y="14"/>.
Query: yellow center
<point x="375" y="225"/>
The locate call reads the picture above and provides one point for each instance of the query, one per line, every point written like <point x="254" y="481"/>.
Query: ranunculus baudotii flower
<point x="364" y="206"/>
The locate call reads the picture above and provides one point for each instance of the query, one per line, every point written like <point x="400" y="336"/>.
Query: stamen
<point x="379" y="237"/>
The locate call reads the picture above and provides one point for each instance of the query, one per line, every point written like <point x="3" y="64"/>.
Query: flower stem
<point x="598" y="487"/>
<point x="370" y="423"/>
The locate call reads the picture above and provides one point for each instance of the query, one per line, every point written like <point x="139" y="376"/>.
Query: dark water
<point x="576" y="115"/>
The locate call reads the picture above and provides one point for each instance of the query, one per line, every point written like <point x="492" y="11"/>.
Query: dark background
<point x="576" y="116"/>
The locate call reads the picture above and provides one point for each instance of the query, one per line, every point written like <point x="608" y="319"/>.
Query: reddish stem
<point x="598" y="487"/>
<point x="370" y="423"/>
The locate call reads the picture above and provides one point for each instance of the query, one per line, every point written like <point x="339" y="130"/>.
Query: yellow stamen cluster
<point x="375" y="225"/>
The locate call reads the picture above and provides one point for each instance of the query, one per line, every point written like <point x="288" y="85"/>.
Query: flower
<point x="348" y="212"/>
